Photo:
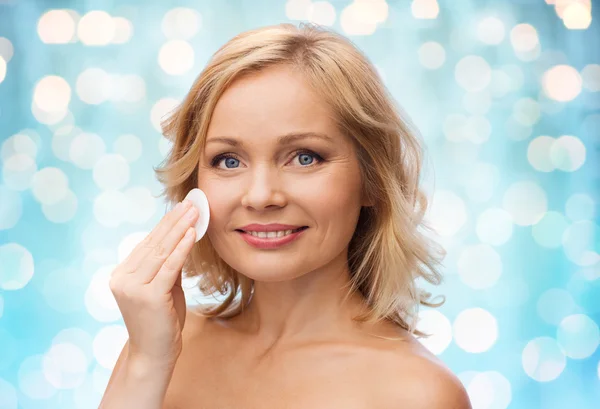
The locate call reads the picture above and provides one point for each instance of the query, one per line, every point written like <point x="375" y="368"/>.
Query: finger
<point x="159" y="254"/>
<point x="170" y="273"/>
<point x="148" y="244"/>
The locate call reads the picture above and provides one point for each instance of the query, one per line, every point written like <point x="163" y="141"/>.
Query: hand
<point x="147" y="287"/>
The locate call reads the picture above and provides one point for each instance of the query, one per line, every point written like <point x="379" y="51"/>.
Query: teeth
<point x="271" y="234"/>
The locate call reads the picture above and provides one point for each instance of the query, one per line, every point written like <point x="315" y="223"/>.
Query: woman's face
<point x="262" y="181"/>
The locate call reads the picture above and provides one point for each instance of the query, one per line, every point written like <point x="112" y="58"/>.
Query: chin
<point x="270" y="273"/>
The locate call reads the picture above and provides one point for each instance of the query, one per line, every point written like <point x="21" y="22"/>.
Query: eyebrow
<point x="281" y="140"/>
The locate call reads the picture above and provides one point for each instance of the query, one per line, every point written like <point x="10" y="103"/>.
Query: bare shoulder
<point x="413" y="377"/>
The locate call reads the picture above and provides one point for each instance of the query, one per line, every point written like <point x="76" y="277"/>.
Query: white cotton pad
<point x="198" y="198"/>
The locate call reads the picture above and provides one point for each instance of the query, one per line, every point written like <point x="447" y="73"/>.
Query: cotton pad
<point x="198" y="198"/>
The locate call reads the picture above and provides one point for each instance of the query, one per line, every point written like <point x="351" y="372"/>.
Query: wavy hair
<point x="390" y="249"/>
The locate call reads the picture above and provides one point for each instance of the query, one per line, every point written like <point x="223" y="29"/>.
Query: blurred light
<point x="454" y="125"/>
<point x="438" y="325"/>
<point x="111" y="172"/>
<point x="482" y="181"/>
<point x="123" y="30"/>
<point x="57" y="26"/>
<point x="129" y="242"/>
<point x="473" y="73"/>
<point x="524" y="37"/>
<point x="554" y="305"/>
<point x="164" y="146"/>
<point x="50" y="185"/>
<point x="18" y="171"/>
<point x="99" y="300"/>
<point x="19" y="143"/>
<point x="447" y="213"/>
<point x="297" y="9"/>
<point x="560" y="6"/>
<point x="323" y="12"/>
<point x="477" y="103"/>
<point x="52" y="94"/>
<point x="129" y="146"/>
<point x="538" y="153"/>
<point x="160" y="109"/>
<point x="543" y="359"/>
<point x="491" y="30"/>
<point x="62" y="211"/>
<point x="181" y="23"/>
<point x="526" y="111"/>
<point x="48" y="118"/>
<point x="93" y="86"/>
<point x="100" y="378"/>
<point x="548" y="232"/>
<point x="65" y="366"/>
<point x="85" y="150"/>
<point x="176" y="57"/>
<point x="96" y="28"/>
<point x="479" y="266"/>
<point x="110" y="208"/>
<point x="2" y="69"/>
<point x="61" y="141"/>
<point x="579" y="336"/>
<point x="141" y="205"/>
<point x="576" y="16"/>
<point x="500" y="83"/>
<point x="75" y="336"/>
<point x="567" y="153"/>
<point x="32" y="379"/>
<point x="580" y="207"/>
<point x="59" y="285"/>
<point x="108" y="343"/>
<point x="494" y="226"/>
<point x="6" y="49"/>
<point x="529" y="56"/>
<point x="11" y="208"/>
<point x="489" y="390"/>
<point x="562" y="83"/>
<point x="128" y="88"/>
<point x="361" y="17"/>
<point x="580" y="243"/>
<point x="425" y="9"/>
<point x="16" y="266"/>
<point x="590" y="76"/>
<point x="526" y="202"/>
<point x="432" y="55"/>
<point x="9" y="395"/>
<point x="475" y="330"/>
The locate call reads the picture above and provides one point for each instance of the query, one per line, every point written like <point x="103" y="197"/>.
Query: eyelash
<point x="318" y="157"/>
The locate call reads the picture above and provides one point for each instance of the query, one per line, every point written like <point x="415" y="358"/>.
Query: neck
<point x="309" y="307"/>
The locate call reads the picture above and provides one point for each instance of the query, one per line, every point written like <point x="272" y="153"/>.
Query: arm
<point x="136" y="383"/>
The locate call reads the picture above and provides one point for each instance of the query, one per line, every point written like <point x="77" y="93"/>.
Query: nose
<point x="263" y="189"/>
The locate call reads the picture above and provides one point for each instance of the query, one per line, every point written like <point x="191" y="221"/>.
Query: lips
<point x="266" y="243"/>
<point x="293" y="230"/>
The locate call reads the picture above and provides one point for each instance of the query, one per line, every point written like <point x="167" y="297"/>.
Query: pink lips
<point x="266" y="243"/>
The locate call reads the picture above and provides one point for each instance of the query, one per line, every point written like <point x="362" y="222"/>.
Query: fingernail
<point x="177" y="206"/>
<point x="186" y="204"/>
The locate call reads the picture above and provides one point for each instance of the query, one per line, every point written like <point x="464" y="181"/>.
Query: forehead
<point x="268" y="104"/>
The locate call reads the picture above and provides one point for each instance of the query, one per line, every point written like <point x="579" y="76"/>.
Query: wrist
<point x="142" y="366"/>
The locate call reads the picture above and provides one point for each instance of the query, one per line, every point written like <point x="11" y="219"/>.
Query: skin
<point x="299" y="287"/>
<point x="296" y="345"/>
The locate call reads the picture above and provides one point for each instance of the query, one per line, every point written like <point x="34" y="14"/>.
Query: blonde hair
<point x="387" y="252"/>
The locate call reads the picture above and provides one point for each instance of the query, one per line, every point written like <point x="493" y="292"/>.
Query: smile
<point x="273" y="239"/>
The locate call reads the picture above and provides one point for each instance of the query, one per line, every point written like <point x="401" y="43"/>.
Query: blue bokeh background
<point x="505" y="93"/>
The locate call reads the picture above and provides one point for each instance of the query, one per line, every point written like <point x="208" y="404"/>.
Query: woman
<point x="288" y="126"/>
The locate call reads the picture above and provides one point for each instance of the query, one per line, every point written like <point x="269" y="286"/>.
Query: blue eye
<point x="302" y="154"/>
